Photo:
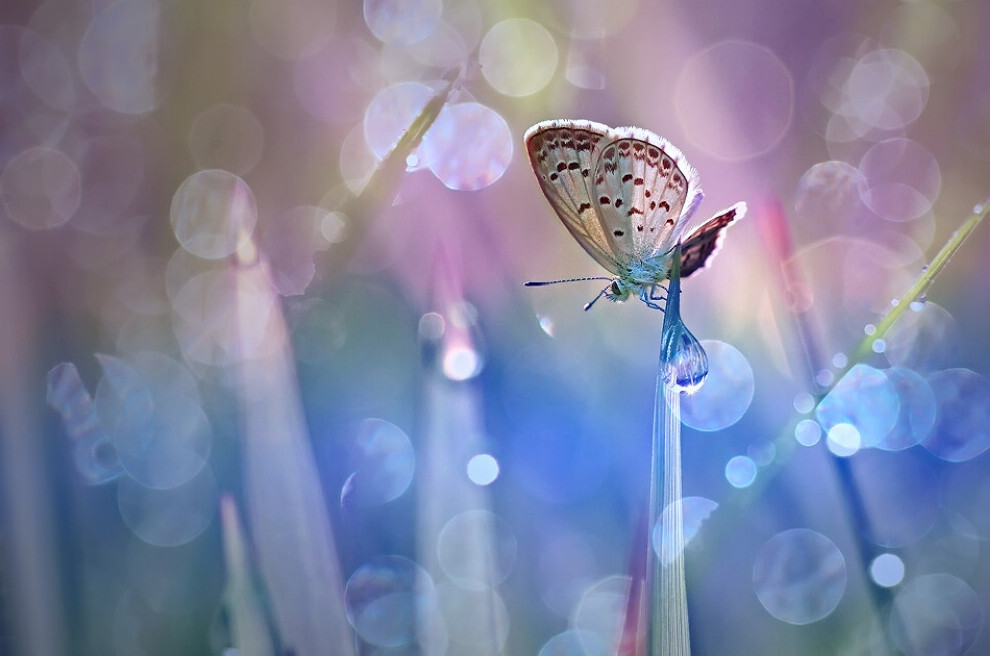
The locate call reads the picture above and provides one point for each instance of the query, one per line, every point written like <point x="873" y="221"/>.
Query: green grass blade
<point x="920" y="286"/>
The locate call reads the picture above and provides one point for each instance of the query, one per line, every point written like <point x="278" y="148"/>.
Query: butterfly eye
<point x="615" y="288"/>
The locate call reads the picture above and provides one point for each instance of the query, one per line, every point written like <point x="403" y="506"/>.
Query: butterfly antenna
<point x="540" y="283"/>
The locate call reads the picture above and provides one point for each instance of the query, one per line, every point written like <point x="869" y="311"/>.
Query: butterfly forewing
<point x="705" y="240"/>
<point x="562" y="154"/>
<point x="640" y="192"/>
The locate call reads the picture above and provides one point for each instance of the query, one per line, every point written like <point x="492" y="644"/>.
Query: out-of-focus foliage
<point x="414" y="453"/>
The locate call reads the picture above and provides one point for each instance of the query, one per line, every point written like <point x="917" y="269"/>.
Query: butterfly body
<point x="626" y="195"/>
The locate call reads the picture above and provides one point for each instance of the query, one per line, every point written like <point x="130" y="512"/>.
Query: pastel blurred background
<point x="257" y="400"/>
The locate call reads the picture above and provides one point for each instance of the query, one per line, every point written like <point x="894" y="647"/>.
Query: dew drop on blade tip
<point x="684" y="361"/>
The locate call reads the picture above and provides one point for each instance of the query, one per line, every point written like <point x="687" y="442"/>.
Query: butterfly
<point x="626" y="195"/>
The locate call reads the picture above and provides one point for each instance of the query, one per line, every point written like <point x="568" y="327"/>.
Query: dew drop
<point x="879" y="346"/>
<point x="683" y="361"/>
<point x="869" y="329"/>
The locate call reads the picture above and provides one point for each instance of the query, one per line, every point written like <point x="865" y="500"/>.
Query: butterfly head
<point x="619" y="290"/>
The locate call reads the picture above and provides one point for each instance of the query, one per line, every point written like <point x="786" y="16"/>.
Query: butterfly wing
<point x="644" y="191"/>
<point x="705" y="240"/>
<point x="562" y="153"/>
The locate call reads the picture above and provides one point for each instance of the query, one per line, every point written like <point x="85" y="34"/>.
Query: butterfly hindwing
<point x="699" y="246"/>
<point x="562" y="154"/>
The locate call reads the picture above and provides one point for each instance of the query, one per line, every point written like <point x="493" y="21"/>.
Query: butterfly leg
<point x="649" y="296"/>
<point x="646" y="294"/>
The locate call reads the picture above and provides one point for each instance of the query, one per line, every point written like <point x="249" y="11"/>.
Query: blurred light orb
<point x="119" y="56"/>
<point x="799" y="576"/>
<point x="719" y="76"/>
<point x="903" y="179"/>
<point x="887" y="570"/>
<point x="445" y="47"/>
<point x="468" y="147"/>
<point x="169" y="517"/>
<point x="518" y="57"/>
<point x="962" y="425"/>
<point x="808" y="432"/>
<point x="41" y="188"/>
<point x="431" y="326"/>
<point x="213" y="213"/>
<point x="843" y="440"/>
<point x="923" y="341"/>
<point x="917" y="415"/>
<point x="402" y="22"/>
<point x="476" y="549"/>
<point x="382" y="462"/>
<point x="391" y="112"/>
<point x="333" y="227"/>
<point x="228" y="137"/>
<point x="482" y="469"/>
<point x="292" y="29"/>
<point x="899" y="496"/>
<point x="885" y="89"/>
<point x="726" y="394"/>
<point x="600" y="613"/>
<point x="825" y="377"/>
<point x="935" y="614"/>
<point x="864" y="398"/>
<point x="762" y="452"/>
<point x="461" y="362"/>
<point x="695" y="511"/>
<point x="740" y="471"/>
<point x="829" y="195"/>
<point x="205" y="313"/>
<point x="804" y="403"/>
<point x="150" y="408"/>
<point x="384" y="599"/>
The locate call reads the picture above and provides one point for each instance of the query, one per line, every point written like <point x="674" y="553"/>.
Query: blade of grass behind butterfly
<point x="724" y="519"/>
<point x="920" y="286"/>
<point x="385" y="178"/>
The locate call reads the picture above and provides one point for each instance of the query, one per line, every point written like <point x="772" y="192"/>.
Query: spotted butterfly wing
<point x="642" y="188"/>
<point x="704" y="241"/>
<point x="563" y="154"/>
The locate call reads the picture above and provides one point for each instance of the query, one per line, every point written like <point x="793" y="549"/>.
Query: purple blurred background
<point x="250" y="399"/>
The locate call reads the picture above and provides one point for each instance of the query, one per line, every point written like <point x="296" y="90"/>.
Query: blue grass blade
<point x="683" y="367"/>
